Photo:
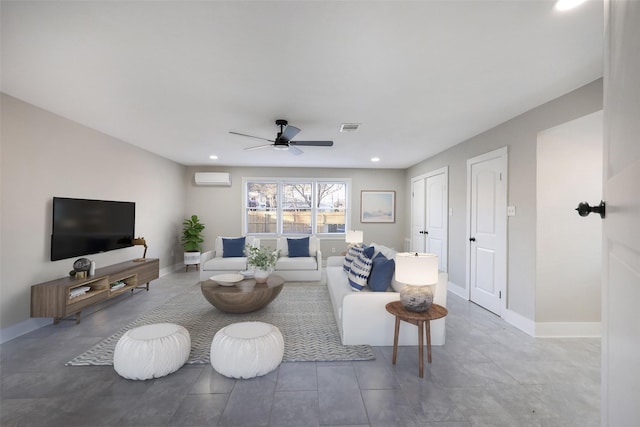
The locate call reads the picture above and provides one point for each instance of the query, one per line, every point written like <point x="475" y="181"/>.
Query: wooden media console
<point x="63" y="297"/>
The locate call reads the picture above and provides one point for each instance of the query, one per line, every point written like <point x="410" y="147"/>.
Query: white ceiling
<point x="175" y="77"/>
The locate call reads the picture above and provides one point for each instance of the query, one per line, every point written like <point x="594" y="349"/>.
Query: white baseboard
<point x="171" y="269"/>
<point x="24" y="327"/>
<point x="458" y="290"/>
<point x="568" y="330"/>
<point x="526" y="325"/>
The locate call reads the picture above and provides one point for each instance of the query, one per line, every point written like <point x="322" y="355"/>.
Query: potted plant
<point x="191" y="240"/>
<point x="263" y="260"/>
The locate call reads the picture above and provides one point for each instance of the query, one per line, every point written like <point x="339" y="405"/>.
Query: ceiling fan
<point x="284" y="138"/>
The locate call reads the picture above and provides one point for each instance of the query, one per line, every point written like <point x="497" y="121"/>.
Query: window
<point x="295" y="206"/>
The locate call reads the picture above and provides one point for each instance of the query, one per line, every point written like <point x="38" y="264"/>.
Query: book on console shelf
<point x="76" y="292"/>
<point x="117" y="285"/>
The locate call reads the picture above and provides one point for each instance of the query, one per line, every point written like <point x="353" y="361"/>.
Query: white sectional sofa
<point x="362" y="317"/>
<point x="214" y="262"/>
<point x="299" y="269"/>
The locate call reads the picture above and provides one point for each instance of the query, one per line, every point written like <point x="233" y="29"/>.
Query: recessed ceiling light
<point x="375" y="159"/>
<point x="568" y="4"/>
<point x="213" y="157"/>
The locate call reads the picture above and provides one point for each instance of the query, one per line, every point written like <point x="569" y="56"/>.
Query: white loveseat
<point x="362" y="317"/>
<point x="299" y="269"/>
<point x="214" y="262"/>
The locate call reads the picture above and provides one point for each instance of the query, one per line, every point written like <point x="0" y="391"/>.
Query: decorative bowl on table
<point x="227" y="279"/>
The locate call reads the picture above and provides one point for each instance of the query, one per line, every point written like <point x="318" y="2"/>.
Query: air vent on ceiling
<point x="349" y="127"/>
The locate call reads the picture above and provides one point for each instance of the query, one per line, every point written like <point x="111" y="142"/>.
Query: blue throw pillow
<point x="233" y="247"/>
<point x="368" y="251"/>
<point x="298" y="247"/>
<point x="381" y="273"/>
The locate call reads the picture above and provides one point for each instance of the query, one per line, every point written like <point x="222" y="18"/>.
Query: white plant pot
<point x="191" y="258"/>
<point x="261" y="276"/>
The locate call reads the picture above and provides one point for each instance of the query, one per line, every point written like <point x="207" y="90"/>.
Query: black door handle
<point x="584" y="209"/>
<point x="472" y="239"/>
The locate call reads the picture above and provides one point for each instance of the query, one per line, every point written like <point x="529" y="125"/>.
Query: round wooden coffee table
<point x="244" y="296"/>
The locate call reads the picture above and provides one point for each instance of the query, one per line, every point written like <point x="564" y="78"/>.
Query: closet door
<point x="429" y="215"/>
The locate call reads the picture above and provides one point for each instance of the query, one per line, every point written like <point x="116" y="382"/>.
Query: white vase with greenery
<point x="262" y="260"/>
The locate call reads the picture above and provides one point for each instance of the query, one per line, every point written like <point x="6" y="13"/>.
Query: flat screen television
<point x="84" y="227"/>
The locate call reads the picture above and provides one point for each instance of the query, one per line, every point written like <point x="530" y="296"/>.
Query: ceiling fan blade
<point x="295" y="150"/>
<point x="251" y="136"/>
<point x="289" y="132"/>
<point x="312" y="143"/>
<point x="257" y="147"/>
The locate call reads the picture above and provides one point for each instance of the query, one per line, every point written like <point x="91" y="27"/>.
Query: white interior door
<point x="418" y="216"/>
<point x="621" y="231"/>
<point x="487" y="261"/>
<point x="437" y="217"/>
<point x="429" y="214"/>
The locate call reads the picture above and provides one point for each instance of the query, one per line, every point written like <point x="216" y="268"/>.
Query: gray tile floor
<point x="487" y="374"/>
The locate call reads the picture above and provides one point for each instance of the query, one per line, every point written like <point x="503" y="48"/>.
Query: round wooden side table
<point x="435" y="312"/>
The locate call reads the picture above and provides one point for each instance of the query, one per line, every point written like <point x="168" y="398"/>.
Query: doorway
<point x="568" y="247"/>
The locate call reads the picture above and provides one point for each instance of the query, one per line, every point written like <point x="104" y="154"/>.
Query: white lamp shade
<point x="416" y="269"/>
<point x="354" y="236"/>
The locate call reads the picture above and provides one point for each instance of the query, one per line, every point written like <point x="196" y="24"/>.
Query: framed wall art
<point x="377" y="206"/>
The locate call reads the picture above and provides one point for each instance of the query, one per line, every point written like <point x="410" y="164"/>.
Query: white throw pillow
<point x="352" y="254"/>
<point x="359" y="272"/>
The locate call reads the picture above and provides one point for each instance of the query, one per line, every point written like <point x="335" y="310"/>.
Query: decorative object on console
<point x="82" y="266"/>
<point x="354" y="238"/>
<point x="139" y="241"/>
<point x="418" y="271"/>
<point x="263" y="260"/>
<point x="191" y="239"/>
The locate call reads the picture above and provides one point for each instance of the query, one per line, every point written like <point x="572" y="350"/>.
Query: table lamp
<point x="139" y="241"/>
<point x="418" y="272"/>
<point x="354" y="238"/>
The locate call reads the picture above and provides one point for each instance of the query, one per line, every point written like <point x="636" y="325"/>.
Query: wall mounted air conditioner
<point x="221" y="179"/>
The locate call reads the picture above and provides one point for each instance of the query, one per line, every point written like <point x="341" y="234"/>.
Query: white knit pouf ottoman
<point x="247" y="349"/>
<point x="151" y="351"/>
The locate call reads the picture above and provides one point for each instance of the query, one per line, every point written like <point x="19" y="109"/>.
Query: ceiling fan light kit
<point x="284" y="138"/>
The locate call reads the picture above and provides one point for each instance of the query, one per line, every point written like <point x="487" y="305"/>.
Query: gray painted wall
<point x="220" y="208"/>
<point x="44" y="155"/>
<point x="520" y="135"/>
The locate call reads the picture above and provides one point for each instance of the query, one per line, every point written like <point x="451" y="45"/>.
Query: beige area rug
<point x="302" y="312"/>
